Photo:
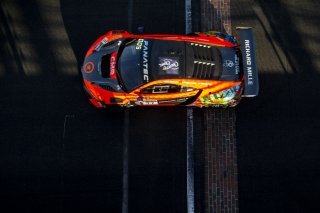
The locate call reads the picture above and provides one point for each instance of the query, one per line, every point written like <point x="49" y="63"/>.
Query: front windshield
<point x="133" y="64"/>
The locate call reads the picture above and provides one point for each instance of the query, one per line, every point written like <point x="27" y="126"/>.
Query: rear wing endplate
<point x="251" y="80"/>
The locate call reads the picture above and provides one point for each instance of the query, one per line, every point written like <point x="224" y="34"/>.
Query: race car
<point x="198" y="69"/>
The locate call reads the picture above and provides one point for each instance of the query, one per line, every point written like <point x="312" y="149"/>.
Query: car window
<point x="129" y="65"/>
<point x="165" y="88"/>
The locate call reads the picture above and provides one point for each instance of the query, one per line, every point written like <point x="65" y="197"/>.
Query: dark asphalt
<point x="278" y="132"/>
<point x="59" y="154"/>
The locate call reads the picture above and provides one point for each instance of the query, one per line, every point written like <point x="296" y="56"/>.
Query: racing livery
<point x="197" y="69"/>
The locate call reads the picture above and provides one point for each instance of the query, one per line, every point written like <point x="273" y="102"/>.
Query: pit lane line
<point x="190" y="139"/>
<point x="125" y="178"/>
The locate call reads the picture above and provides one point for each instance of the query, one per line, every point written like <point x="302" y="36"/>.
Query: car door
<point x="165" y="94"/>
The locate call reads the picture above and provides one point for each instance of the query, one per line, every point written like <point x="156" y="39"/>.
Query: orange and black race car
<point x="197" y="69"/>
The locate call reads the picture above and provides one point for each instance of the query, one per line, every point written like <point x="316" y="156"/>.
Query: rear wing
<point x="251" y="80"/>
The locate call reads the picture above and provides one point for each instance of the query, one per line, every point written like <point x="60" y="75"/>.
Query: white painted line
<point x="125" y="171"/>
<point x="190" y="149"/>
<point x="66" y="117"/>
<point x="190" y="161"/>
<point x="188" y="17"/>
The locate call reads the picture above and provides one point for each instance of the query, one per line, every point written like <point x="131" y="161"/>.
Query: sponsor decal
<point x="223" y="97"/>
<point x="102" y="42"/>
<point x="169" y="65"/>
<point x="113" y="59"/>
<point x="145" y="61"/>
<point x="140" y="101"/>
<point x="228" y="63"/>
<point x="147" y="102"/>
<point x="139" y="44"/>
<point x="248" y="61"/>
<point x="237" y="64"/>
<point x="88" y="67"/>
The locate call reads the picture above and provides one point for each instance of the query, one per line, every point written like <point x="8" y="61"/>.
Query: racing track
<point x="278" y="132"/>
<point x="59" y="154"/>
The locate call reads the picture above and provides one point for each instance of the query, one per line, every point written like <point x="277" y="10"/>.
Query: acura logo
<point x="228" y="63"/>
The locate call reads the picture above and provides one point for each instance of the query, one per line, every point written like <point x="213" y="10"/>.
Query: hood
<point x="99" y="65"/>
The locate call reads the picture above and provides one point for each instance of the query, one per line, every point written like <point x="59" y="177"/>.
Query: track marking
<point x="125" y="177"/>
<point x="66" y="117"/>
<point x="190" y="145"/>
<point x="188" y="17"/>
<point x="190" y="161"/>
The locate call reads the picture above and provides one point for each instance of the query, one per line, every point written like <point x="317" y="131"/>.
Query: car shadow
<point x="277" y="132"/>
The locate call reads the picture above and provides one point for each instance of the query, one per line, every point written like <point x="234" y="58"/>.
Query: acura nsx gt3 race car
<point x="197" y="69"/>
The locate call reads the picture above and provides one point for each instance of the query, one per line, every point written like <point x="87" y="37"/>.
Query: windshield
<point x="133" y="59"/>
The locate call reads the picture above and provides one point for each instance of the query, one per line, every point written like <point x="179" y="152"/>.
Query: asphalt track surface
<point x="59" y="154"/>
<point x="278" y="132"/>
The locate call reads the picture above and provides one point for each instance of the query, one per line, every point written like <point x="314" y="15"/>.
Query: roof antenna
<point x="140" y="29"/>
